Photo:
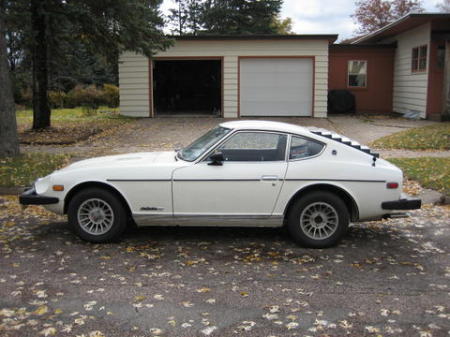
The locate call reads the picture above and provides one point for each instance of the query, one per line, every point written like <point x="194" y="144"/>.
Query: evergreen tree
<point x="227" y="17"/>
<point x="240" y="16"/>
<point x="56" y="32"/>
<point x="178" y="17"/>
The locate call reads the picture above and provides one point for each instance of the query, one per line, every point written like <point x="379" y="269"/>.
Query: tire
<point x="318" y="220"/>
<point x="97" y="215"/>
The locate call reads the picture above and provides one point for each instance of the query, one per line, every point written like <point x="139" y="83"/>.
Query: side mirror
<point x="217" y="159"/>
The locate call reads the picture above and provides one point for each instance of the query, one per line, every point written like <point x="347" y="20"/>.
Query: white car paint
<point x="158" y="187"/>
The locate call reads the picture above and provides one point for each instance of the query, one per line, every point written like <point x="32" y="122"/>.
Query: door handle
<point x="269" y="178"/>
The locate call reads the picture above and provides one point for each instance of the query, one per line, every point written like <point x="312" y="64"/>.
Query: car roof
<point x="266" y="126"/>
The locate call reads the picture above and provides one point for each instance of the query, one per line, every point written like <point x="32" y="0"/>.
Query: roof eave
<point x="331" y="38"/>
<point x="398" y="22"/>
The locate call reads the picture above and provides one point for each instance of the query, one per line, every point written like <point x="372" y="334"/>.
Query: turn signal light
<point x="58" y="188"/>
<point x="392" y="185"/>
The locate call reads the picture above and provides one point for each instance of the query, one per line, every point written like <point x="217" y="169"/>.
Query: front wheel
<point x="97" y="215"/>
<point x="318" y="220"/>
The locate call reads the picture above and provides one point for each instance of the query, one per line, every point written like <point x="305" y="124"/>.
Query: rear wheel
<point x="318" y="220"/>
<point x="97" y="215"/>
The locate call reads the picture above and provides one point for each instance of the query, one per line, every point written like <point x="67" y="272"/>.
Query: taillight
<point x="392" y="185"/>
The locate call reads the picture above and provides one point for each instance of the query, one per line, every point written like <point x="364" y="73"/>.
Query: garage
<point x="187" y="87"/>
<point x="276" y="86"/>
<point x="229" y="77"/>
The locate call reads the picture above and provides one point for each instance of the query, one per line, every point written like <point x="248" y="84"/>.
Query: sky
<point x="322" y="16"/>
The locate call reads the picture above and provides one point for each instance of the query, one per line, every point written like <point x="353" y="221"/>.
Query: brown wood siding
<point x="376" y="97"/>
<point x="435" y="83"/>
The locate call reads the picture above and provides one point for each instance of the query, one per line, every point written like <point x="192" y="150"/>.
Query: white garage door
<point x="276" y="86"/>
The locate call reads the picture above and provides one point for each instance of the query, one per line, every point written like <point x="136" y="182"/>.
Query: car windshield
<point x="202" y="144"/>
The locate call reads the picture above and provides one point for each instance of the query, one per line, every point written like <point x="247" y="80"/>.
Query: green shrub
<point x="57" y="99"/>
<point x="84" y="96"/>
<point x="90" y="97"/>
<point x="111" y="95"/>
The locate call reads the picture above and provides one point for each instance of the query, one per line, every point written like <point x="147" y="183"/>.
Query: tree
<point x="178" y="17"/>
<point x="444" y="6"/>
<point x="185" y="18"/>
<point x="372" y="15"/>
<point x="240" y="16"/>
<point x="282" y="26"/>
<point x="228" y="17"/>
<point x="9" y="143"/>
<point x="56" y="28"/>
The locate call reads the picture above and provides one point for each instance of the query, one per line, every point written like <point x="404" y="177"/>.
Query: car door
<point x="246" y="184"/>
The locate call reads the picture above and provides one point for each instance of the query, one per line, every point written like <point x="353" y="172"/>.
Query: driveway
<point x="152" y="134"/>
<point x="386" y="278"/>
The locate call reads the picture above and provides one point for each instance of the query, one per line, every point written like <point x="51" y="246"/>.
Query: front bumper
<point x="30" y="197"/>
<point x="402" y="204"/>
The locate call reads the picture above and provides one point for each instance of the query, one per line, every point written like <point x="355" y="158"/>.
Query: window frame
<point x="324" y="145"/>
<point x="216" y="146"/>
<point x="366" y="74"/>
<point x="419" y="58"/>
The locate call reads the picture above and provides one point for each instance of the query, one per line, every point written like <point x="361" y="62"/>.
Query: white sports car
<point x="242" y="173"/>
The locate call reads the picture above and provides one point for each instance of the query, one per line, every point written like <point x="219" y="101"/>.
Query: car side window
<point x="254" y="146"/>
<point x="304" y="148"/>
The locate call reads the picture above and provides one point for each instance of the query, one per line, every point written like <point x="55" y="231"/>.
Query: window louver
<point x="346" y="141"/>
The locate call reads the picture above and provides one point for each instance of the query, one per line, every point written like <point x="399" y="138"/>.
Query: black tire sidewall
<point x="299" y="205"/>
<point x="120" y="215"/>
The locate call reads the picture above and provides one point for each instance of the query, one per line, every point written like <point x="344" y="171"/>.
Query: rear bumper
<point x="402" y="204"/>
<point x="30" y="197"/>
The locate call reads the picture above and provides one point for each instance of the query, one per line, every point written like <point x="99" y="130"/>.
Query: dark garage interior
<point x="187" y="87"/>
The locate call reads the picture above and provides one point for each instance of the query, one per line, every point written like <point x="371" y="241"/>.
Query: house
<point x="421" y="63"/>
<point x="404" y="68"/>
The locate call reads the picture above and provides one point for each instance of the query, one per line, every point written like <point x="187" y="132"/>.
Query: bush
<point x="90" y="97"/>
<point x="111" y="95"/>
<point x="84" y="96"/>
<point x="93" y="97"/>
<point x="57" y="99"/>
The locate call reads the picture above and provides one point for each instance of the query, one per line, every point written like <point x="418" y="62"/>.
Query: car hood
<point x="124" y="160"/>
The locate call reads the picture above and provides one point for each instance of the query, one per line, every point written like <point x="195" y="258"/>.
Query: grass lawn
<point x="68" y="125"/>
<point x="430" y="172"/>
<point x="26" y="168"/>
<point x="431" y="137"/>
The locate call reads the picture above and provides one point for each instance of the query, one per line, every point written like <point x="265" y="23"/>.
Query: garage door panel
<point x="280" y="85"/>
<point x="288" y="93"/>
<point x="272" y="108"/>
<point x="276" y="87"/>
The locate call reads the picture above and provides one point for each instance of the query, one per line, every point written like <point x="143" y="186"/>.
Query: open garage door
<point x="187" y="87"/>
<point x="276" y="86"/>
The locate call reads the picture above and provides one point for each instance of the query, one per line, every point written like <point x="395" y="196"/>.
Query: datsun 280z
<point x="241" y="173"/>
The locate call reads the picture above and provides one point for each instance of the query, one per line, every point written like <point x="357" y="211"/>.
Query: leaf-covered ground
<point x="430" y="137"/>
<point x="388" y="278"/>
<point x="433" y="173"/>
<point x="26" y="168"/>
<point x="68" y="125"/>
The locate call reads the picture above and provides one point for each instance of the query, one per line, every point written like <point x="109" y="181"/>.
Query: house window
<point x="357" y="74"/>
<point x="419" y="59"/>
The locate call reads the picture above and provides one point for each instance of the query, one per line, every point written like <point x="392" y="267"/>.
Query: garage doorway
<point x="187" y="87"/>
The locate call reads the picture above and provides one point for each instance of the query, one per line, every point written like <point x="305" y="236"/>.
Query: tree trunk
<point x="9" y="142"/>
<point x="41" y="108"/>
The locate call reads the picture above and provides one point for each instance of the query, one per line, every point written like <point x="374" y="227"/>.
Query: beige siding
<point x="134" y="85"/>
<point x="230" y="51"/>
<point x="410" y="89"/>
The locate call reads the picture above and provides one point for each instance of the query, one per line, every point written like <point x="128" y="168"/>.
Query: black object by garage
<point x="341" y="101"/>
